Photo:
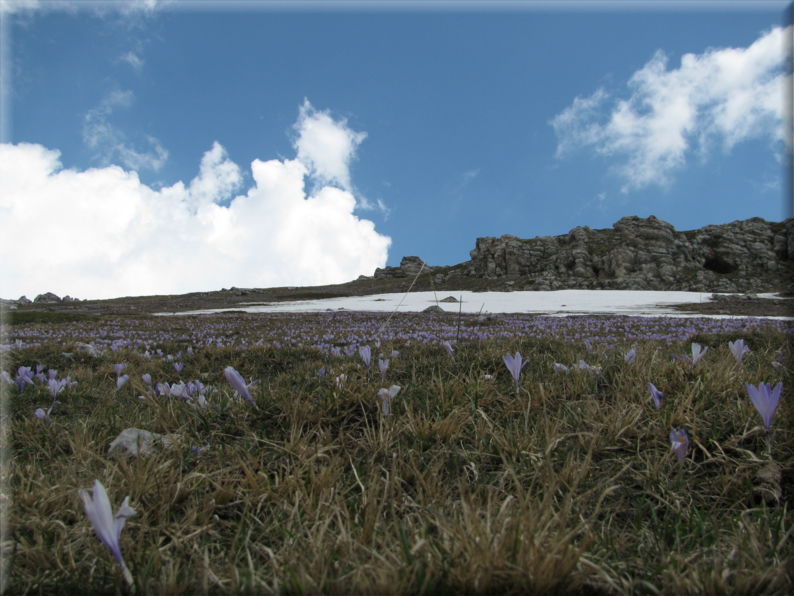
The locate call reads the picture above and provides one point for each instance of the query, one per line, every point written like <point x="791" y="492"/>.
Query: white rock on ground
<point x="134" y="441"/>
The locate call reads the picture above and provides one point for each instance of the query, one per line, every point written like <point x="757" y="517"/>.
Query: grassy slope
<point x="567" y="486"/>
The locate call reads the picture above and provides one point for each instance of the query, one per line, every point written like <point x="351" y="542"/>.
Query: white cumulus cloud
<point x="719" y="98"/>
<point x="326" y="147"/>
<point x="101" y="233"/>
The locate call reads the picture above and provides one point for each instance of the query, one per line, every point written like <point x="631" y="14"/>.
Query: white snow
<point x="560" y="303"/>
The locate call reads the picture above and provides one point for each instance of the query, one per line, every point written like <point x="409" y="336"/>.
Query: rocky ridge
<point x="644" y="254"/>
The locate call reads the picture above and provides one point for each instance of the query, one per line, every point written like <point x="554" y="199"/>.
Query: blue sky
<point x="158" y="148"/>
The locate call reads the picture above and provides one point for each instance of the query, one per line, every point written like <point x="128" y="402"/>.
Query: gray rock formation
<point x="409" y="267"/>
<point x="434" y="309"/>
<point x="645" y="254"/>
<point x="48" y="298"/>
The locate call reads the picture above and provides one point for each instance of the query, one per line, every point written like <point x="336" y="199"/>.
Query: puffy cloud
<point x="723" y="96"/>
<point x="326" y="147"/>
<point x="101" y="233"/>
<point x="110" y="144"/>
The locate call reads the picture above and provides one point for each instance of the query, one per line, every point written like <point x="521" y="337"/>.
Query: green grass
<point x="25" y="317"/>
<point x="569" y="486"/>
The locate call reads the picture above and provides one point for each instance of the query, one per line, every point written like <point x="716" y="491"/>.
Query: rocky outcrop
<point x="48" y="298"/>
<point x="409" y="267"/>
<point x="645" y="254"/>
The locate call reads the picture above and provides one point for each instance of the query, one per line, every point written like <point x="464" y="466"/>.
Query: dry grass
<point x="568" y="486"/>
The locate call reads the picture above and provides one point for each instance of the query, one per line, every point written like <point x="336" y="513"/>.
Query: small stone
<point x="434" y="308"/>
<point x="89" y="349"/>
<point x="134" y="442"/>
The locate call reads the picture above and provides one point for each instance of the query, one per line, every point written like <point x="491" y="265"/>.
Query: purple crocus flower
<point x="24" y="377"/>
<point x="631" y="356"/>
<point x="386" y="395"/>
<point x="656" y="395"/>
<point x="179" y="390"/>
<point x="514" y="365"/>
<point x="765" y="399"/>
<point x="55" y="388"/>
<point x="697" y="354"/>
<point x="120" y="368"/>
<point x="680" y="443"/>
<point x="108" y="526"/>
<point x="6" y="377"/>
<point x="238" y="384"/>
<point x="147" y="378"/>
<point x="52" y="373"/>
<point x="559" y="368"/>
<point x="384" y="366"/>
<point x="738" y="349"/>
<point x="199" y="450"/>
<point x="366" y="354"/>
<point x="178" y="367"/>
<point x="321" y="372"/>
<point x="121" y="381"/>
<point x="42" y="415"/>
<point x="340" y="381"/>
<point x="448" y="348"/>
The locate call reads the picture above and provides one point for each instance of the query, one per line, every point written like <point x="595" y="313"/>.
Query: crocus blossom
<point x="147" y="378"/>
<point x="340" y="381"/>
<point x="179" y="390"/>
<point x="238" y="384"/>
<point x="738" y="349"/>
<point x="386" y="395"/>
<point x="448" y="348"/>
<point x="559" y="368"/>
<point x="120" y="368"/>
<point x="121" y="380"/>
<point x="697" y="353"/>
<point x="321" y="372"/>
<point x="24" y="377"/>
<point x="42" y="415"/>
<point x="55" y="388"/>
<point x="108" y="526"/>
<point x="6" y="377"/>
<point x="178" y="367"/>
<point x="765" y="399"/>
<point x="680" y="443"/>
<point x="631" y="356"/>
<point x="199" y="450"/>
<point x="514" y="365"/>
<point x="384" y="366"/>
<point x="656" y="395"/>
<point x="366" y="354"/>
